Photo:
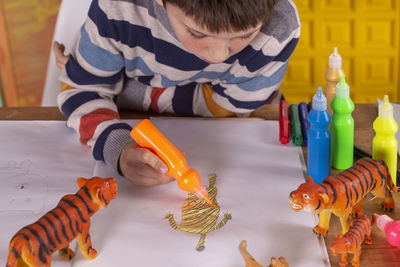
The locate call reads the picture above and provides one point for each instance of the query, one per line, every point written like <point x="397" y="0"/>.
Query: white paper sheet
<point x="255" y="176"/>
<point x="39" y="163"/>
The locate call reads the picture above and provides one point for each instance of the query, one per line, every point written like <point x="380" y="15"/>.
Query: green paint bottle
<point x="342" y="127"/>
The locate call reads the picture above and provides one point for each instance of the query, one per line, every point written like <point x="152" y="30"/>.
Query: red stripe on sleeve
<point x="90" y="121"/>
<point x="154" y="96"/>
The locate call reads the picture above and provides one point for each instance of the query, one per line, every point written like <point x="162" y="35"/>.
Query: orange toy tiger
<point x="343" y="194"/>
<point x="34" y="244"/>
<point x="351" y="242"/>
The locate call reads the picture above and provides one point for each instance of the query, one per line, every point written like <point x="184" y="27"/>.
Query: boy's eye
<point x="246" y="36"/>
<point x="197" y="36"/>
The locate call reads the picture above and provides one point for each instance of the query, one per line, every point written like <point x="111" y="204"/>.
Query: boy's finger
<point x="59" y="51"/>
<point x="56" y="48"/>
<point x="154" y="161"/>
<point x="60" y="64"/>
<point x="165" y="179"/>
<point x="149" y="178"/>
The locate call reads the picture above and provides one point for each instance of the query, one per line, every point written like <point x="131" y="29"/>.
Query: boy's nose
<point x="219" y="51"/>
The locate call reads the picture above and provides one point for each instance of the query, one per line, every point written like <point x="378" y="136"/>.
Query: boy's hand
<point x="61" y="59"/>
<point x="142" y="167"/>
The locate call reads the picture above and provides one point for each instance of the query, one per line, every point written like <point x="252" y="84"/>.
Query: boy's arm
<point x="91" y="78"/>
<point x="94" y="117"/>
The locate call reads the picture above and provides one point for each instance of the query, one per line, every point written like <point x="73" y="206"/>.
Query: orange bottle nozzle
<point x="209" y="201"/>
<point x="202" y="194"/>
<point x="148" y="136"/>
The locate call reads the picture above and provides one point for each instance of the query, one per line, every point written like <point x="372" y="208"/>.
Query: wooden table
<point x="379" y="254"/>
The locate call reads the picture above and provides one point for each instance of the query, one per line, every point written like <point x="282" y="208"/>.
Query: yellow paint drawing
<point x="198" y="216"/>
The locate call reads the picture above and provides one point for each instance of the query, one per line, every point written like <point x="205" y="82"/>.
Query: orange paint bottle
<point x="148" y="136"/>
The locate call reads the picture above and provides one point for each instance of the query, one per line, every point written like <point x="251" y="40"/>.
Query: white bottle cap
<point x="319" y="100"/>
<point x="335" y="60"/>
<point x="382" y="220"/>
<point x="385" y="108"/>
<point x="342" y="88"/>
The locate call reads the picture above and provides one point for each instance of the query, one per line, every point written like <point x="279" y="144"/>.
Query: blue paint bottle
<point x="319" y="139"/>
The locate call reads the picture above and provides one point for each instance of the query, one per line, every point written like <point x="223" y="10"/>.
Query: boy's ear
<point x="81" y="181"/>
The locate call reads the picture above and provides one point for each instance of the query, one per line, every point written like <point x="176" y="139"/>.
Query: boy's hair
<point x="226" y="15"/>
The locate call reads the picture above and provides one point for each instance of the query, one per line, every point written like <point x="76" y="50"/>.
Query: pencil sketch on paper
<point x="198" y="216"/>
<point x="21" y="190"/>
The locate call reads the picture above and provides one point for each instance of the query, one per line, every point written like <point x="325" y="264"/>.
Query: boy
<point x="188" y="57"/>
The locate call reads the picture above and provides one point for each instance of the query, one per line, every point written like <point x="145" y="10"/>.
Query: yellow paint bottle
<point x="332" y="76"/>
<point x="384" y="144"/>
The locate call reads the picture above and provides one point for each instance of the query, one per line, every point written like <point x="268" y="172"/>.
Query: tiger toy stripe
<point x="343" y="194"/>
<point x="34" y="244"/>
<point x="351" y="242"/>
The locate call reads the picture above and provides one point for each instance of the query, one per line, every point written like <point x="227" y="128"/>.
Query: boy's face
<point x="210" y="47"/>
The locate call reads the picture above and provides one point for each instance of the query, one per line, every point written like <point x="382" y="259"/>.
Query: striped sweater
<point x="127" y="55"/>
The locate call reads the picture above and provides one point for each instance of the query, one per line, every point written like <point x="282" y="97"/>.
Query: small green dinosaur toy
<point x="198" y="216"/>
